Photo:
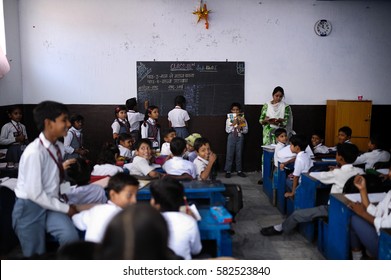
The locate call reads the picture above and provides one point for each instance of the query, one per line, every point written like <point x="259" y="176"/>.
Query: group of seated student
<point x="56" y="197"/>
<point x="347" y="157"/>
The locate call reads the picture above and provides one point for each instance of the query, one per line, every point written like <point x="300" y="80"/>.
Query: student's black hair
<point x="76" y="118"/>
<point x="199" y="142"/>
<point x="139" y="232"/>
<point x="12" y="108"/>
<point x="318" y="133"/>
<point x="124" y="137"/>
<point x="79" y="173"/>
<point x="48" y="110"/>
<point x="279" y="131"/>
<point x="377" y="141"/>
<point x="119" y="181"/>
<point x="168" y="192"/>
<point x="168" y="131"/>
<point x="373" y="184"/>
<point x="142" y="141"/>
<point x="347" y="130"/>
<point x="149" y="111"/>
<point x="177" y="146"/>
<point x="236" y="104"/>
<point x="180" y="101"/>
<point x="131" y="104"/>
<point x="278" y="89"/>
<point x="348" y="151"/>
<point x="299" y="140"/>
<point x="108" y="153"/>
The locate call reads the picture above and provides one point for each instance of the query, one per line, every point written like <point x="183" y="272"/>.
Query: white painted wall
<point x="11" y="86"/>
<point x="85" y="51"/>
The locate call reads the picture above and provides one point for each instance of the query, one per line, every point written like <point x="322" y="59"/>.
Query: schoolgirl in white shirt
<point x="121" y="123"/>
<point x="150" y="129"/>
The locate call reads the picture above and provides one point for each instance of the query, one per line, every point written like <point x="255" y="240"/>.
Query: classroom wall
<point x="11" y="85"/>
<point x="85" y="52"/>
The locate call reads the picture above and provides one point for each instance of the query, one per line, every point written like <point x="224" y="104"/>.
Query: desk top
<point x="195" y="186"/>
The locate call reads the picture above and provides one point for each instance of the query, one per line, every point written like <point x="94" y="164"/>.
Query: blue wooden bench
<point x="210" y="229"/>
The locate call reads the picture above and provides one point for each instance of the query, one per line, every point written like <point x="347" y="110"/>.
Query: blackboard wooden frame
<point x="210" y="87"/>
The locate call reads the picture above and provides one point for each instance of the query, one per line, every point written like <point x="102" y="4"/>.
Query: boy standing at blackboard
<point x="178" y="117"/>
<point x="235" y="126"/>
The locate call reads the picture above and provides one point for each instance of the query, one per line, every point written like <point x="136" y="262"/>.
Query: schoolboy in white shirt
<point x="38" y="209"/>
<point x="282" y="139"/>
<point x="375" y="153"/>
<point x="303" y="161"/>
<point x="346" y="155"/>
<point x="205" y="158"/>
<point x="168" y="196"/>
<point x="122" y="189"/>
<point x="141" y="165"/>
<point x="177" y="165"/>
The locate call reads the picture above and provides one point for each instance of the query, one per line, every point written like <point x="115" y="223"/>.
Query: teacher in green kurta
<point x="275" y="114"/>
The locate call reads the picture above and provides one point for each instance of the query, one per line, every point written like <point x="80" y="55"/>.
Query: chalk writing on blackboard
<point x="209" y="87"/>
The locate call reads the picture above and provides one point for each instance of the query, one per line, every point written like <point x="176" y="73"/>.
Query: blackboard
<point x="209" y="87"/>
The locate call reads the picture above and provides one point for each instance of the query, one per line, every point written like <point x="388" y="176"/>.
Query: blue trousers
<point x="364" y="234"/>
<point x="234" y="149"/>
<point x="31" y="222"/>
<point x="181" y="132"/>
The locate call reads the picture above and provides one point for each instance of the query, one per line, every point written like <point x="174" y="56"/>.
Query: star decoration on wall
<point x="202" y="13"/>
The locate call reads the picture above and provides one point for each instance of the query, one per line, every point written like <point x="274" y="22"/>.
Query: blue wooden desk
<point x="385" y="244"/>
<point x="309" y="193"/>
<point x="194" y="190"/>
<point x="211" y="230"/>
<point x="268" y="166"/>
<point x="338" y="235"/>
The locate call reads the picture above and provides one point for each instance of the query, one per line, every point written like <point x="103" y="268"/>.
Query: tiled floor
<point x="258" y="212"/>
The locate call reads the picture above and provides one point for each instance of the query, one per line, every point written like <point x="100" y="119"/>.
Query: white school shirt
<point x="165" y="151"/>
<point x="140" y="166"/>
<point x="7" y="132"/>
<point x="200" y="165"/>
<point x="68" y="139"/>
<point x="382" y="213"/>
<point x="303" y="163"/>
<point x="144" y="130"/>
<point x="106" y="170"/>
<point x="285" y="154"/>
<point x="178" y="117"/>
<point x="124" y="152"/>
<point x="95" y="220"/>
<point x="184" y="238"/>
<point x="178" y="166"/>
<point x="370" y="158"/>
<point x="39" y="175"/>
<point x="116" y="126"/>
<point x="337" y="177"/>
<point x="278" y="147"/>
<point x="134" y="119"/>
<point x="321" y="149"/>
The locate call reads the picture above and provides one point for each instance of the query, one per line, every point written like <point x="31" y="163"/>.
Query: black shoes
<point x="269" y="231"/>
<point x="228" y="175"/>
<point x="260" y="182"/>
<point x="241" y="174"/>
